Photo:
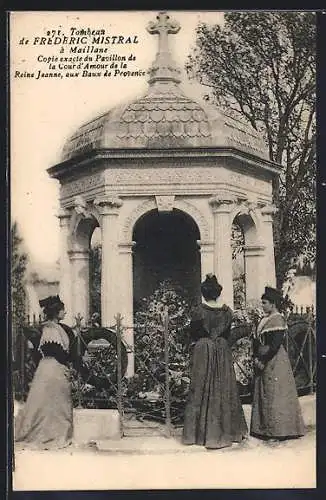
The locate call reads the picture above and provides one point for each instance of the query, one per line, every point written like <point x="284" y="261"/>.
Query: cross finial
<point x="163" y="27"/>
<point x="163" y="67"/>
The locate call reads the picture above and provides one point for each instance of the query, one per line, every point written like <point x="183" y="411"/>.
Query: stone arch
<point x="148" y="205"/>
<point x="82" y="224"/>
<point x="131" y="219"/>
<point x="250" y="223"/>
<point x="197" y="216"/>
<point x="248" y="218"/>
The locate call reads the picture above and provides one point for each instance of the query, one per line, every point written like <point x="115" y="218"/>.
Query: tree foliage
<point x="18" y="291"/>
<point x="261" y="66"/>
<point x="18" y="276"/>
<point x="95" y="279"/>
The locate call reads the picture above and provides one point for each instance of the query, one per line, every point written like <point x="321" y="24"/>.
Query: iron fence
<point x="101" y="380"/>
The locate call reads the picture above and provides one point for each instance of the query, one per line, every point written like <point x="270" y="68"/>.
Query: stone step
<point x="146" y="445"/>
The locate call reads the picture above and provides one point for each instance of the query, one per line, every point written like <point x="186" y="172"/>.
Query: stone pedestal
<point x="93" y="425"/>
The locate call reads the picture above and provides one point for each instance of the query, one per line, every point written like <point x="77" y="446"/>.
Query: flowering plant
<point x="148" y="384"/>
<point x="245" y="319"/>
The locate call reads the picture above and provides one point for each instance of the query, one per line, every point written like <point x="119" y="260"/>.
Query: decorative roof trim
<point x="63" y="168"/>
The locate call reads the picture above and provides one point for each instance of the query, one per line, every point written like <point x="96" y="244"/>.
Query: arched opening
<point x="246" y="253"/>
<point x="83" y="265"/>
<point x="166" y="248"/>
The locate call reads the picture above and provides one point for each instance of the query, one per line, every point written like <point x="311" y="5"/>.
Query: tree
<point x="18" y="291"/>
<point x="260" y="66"/>
<point x="18" y="277"/>
<point x="95" y="279"/>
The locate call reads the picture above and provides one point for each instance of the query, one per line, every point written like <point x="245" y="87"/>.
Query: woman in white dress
<point x="46" y="419"/>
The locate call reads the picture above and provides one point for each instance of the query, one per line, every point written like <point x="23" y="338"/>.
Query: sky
<point x="45" y="112"/>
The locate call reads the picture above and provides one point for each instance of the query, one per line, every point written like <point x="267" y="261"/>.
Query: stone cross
<point x="163" y="27"/>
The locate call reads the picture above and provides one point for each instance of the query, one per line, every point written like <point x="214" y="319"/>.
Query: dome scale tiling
<point x="164" y="117"/>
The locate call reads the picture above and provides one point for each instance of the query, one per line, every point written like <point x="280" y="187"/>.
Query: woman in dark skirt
<point x="46" y="419"/>
<point x="276" y="412"/>
<point x="214" y="416"/>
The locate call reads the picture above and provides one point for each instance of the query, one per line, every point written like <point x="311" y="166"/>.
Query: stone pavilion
<point x="164" y="177"/>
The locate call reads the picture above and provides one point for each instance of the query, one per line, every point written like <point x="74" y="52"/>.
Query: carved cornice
<point x="134" y="156"/>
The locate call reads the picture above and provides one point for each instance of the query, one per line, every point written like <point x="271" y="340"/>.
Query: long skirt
<point x="276" y="411"/>
<point x="45" y="421"/>
<point x="214" y="416"/>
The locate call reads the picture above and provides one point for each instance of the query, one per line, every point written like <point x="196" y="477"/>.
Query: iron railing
<point x="106" y="367"/>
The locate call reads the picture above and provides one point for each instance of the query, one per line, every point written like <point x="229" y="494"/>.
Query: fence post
<point x="78" y="331"/>
<point x="311" y="373"/>
<point x="119" y="371"/>
<point x="22" y="362"/>
<point x="287" y="340"/>
<point x="167" y="374"/>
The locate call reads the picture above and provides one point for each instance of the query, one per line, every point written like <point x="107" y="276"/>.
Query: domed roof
<point x="164" y="117"/>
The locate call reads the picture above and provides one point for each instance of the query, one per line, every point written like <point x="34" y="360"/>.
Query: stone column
<point x="206" y="257"/>
<point x="65" y="268"/>
<point x="80" y="282"/>
<point x="108" y="207"/>
<point x="125" y="297"/>
<point x="222" y="206"/>
<point x="267" y="237"/>
<point x="255" y="272"/>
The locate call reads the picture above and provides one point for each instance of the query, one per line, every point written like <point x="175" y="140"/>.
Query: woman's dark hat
<point x="212" y="284"/>
<point x="51" y="301"/>
<point x="272" y="295"/>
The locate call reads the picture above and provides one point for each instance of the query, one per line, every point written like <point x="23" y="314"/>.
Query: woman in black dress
<point x="276" y="412"/>
<point x="214" y="416"/>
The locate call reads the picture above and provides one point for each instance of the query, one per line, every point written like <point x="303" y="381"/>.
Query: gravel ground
<point x="253" y="464"/>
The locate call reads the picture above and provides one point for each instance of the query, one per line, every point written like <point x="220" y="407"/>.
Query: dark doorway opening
<point x="166" y="248"/>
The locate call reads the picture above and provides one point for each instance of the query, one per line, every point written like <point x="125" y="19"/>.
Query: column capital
<point x="64" y="216"/>
<point x="78" y="254"/>
<point x="126" y="247"/>
<point x="221" y="202"/>
<point x="254" y="250"/>
<point x="249" y="205"/>
<point x="205" y="246"/>
<point x="108" y="204"/>
<point x="269" y="209"/>
<point x="80" y="207"/>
